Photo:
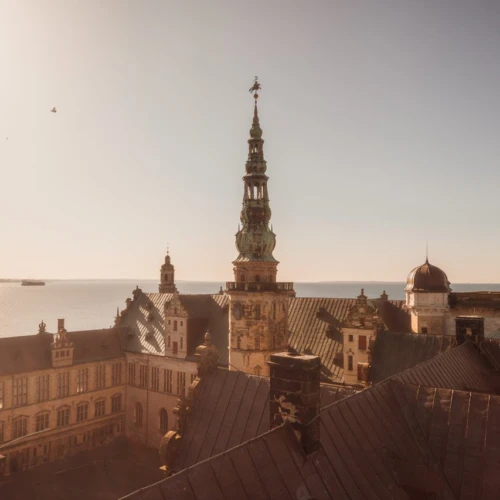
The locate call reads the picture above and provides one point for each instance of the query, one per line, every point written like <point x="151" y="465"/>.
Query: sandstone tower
<point x="167" y="277"/>
<point x="258" y="312"/>
<point x="427" y="290"/>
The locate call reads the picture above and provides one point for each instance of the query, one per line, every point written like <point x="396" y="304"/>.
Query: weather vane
<point x="255" y="88"/>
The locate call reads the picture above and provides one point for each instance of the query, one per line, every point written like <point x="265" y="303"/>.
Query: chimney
<point x="295" y="395"/>
<point x="60" y="325"/>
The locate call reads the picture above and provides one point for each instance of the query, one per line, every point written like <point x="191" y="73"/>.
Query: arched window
<point x="138" y="414"/>
<point x="163" y="421"/>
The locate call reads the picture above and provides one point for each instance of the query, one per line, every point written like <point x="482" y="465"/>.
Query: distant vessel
<point x="32" y="283"/>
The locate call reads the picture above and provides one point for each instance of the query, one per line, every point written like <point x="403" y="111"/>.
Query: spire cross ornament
<point x="255" y="88"/>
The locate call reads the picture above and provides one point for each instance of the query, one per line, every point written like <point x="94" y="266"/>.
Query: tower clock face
<point x="238" y="310"/>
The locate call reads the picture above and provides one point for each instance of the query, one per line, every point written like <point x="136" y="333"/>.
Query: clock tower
<point x="258" y="312"/>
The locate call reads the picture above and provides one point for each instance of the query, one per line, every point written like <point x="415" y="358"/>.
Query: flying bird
<point x="53" y="110"/>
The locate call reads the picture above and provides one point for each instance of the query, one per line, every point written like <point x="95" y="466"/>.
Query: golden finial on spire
<point x="255" y="88"/>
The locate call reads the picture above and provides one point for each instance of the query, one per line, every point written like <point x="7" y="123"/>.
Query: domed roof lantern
<point x="427" y="279"/>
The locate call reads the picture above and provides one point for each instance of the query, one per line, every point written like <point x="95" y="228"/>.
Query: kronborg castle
<point x="255" y="378"/>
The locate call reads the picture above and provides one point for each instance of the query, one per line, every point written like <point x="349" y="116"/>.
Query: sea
<point x="92" y="304"/>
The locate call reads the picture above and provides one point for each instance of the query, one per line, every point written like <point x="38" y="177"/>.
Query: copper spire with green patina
<point x="255" y="241"/>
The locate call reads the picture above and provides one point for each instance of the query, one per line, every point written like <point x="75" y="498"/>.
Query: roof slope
<point x="395" y="352"/>
<point x="315" y="323"/>
<point x="232" y="408"/>
<point x="149" y="335"/>
<point x="461" y="368"/>
<point x="33" y="352"/>
<point x="391" y="441"/>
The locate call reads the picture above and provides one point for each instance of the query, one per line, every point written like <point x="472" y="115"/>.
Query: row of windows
<point x="361" y="340"/>
<point x="63" y="387"/>
<point x="162" y="418"/>
<point x="161" y="379"/>
<point x="20" y="424"/>
<point x="174" y="322"/>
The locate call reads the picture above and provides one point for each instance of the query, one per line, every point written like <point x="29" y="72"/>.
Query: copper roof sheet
<point x="232" y="408"/>
<point x="461" y="368"/>
<point x="393" y="353"/>
<point x="391" y="441"/>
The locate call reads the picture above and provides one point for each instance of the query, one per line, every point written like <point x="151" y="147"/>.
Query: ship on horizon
<point x="32" y="283"/>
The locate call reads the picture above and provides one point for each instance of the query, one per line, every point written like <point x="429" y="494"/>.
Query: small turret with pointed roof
<point x="167" y="276"/>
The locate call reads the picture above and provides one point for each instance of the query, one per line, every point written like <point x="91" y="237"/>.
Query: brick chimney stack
<point x="60" y="325"/>
<point x="295" y="395"/>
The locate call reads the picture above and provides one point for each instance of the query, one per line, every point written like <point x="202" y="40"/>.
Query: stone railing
<point x="234" y="286"/>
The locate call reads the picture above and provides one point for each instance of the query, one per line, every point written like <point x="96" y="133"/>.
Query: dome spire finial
<point x="426" y="252"/>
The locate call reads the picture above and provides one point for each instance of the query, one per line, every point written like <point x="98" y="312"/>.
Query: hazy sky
<point x="381" y="121"/>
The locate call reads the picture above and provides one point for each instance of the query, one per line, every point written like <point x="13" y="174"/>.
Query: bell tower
<point x="167" y="276"/>
<point x="258" y="313"/>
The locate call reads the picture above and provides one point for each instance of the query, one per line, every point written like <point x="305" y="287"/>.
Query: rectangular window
<point x="82" y="412"/>
<point x="257" y="311"/>
<point x="349" y="363"/>
<point x="42" y="388"/>
<point x="82" y="380"/>
<point x="424" y="330"/>
<point x="42" y="422"/>
<point x="131" y="373"/>
<point x="181" y="383"/>
<point x="155" y="378"/>
<point x="257" y="342"/>
<point x="182" y="342"/>
<point x="116" y="375"/>
<point x="1" y="395"/>
<point x="62" y="417"/>
<point x="100" y="377"/>
<point x="362" y="342"/>
<point x="99" y="408"/>
<point x="168" y="341"/>
<point x="19" y="392"/>
<point x="62" y="384"/>
<point x="169" y="380"/>
<point x="175" y="325"/>
<point x="19" y="427"/>
<point x="175" y="348"/>
<point x="193" y="377"/>
<point x="116" y="403"/>
<point x="1" y="432"/>
<point x="143" y="376"/>
<point x="351" y="338"/>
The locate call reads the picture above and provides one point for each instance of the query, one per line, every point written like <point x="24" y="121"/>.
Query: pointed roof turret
<point x="255" y="241"/>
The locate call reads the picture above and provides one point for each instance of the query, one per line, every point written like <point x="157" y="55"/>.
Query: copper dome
<point x="427" y="278"/>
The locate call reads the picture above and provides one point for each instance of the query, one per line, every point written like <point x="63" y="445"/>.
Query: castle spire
<point x="255" y="241"/>
<point x="167" y="276"/>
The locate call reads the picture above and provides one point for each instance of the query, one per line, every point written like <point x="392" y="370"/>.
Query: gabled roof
<point x="33" y="352"/>
<point x="393" y="353"/>
<point x="205" y="312"/>
<point x="461" y="368"/>
<point x="315" y="323"/>
<point x="391" y="441"/>
<point x="232" y="408"/>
